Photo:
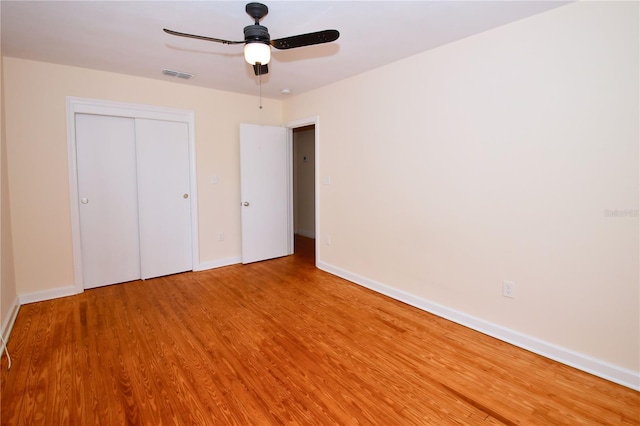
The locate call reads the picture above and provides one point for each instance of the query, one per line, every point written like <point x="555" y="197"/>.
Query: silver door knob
<point x="84" y="201"/>
<point x="246" y="204"/>
<point x="185" y="196"/>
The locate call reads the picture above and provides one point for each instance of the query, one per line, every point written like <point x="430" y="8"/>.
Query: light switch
<point x="326" y="180"/>
<point x="214" y="179"/>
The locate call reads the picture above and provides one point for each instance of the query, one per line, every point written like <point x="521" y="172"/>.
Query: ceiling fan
<point x="257" y="42"/>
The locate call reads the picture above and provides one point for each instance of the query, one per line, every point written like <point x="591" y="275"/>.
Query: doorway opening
<point x="304" y="190"/>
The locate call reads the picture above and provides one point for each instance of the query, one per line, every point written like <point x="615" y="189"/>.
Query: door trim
<point x="101" y="107"/>
<point x="315" y="121"/>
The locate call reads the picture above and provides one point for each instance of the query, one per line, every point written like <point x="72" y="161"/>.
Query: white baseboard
<point x="55" y="293"/>
<point x="218" y="263"/>
<point x="40" y="296"/>
<point x="7" y="323"/>
<point x="566" y="356"/>
<point x="308" y="234"/>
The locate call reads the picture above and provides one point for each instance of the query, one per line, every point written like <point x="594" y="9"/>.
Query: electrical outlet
<point x="509" y="289"/>
<point x="220" y="236"/>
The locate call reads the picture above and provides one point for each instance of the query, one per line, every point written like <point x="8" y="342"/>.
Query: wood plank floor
<point x="279" y="342"/>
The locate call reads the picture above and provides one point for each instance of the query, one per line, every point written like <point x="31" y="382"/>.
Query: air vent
<point x="178" y="74"/>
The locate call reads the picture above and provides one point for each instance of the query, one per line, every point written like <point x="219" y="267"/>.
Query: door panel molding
<point x="101" y="107"/>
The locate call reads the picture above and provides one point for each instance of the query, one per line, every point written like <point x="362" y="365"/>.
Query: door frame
<point x="315" y="121"/>
<point x="77" y="105"/>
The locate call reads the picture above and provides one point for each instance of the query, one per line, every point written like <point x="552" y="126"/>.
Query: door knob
<point x="246" y="204"/>
<point x="84" y="201"/>
<point x="185" y="196"/>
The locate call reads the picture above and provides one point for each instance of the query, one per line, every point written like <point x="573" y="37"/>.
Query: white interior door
<point x="162" y="149"/>
<point x="106" y="161"/>
<point x="264" y="185"/>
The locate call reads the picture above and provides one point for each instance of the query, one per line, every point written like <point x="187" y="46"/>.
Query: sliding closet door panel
<point x="163" y="197"/>
<point x="106" y="160"/>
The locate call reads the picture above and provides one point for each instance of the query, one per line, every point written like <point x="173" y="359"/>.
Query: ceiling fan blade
<point x="309" y="39"/>
<point x="217" y="40"/>
<point x="260" y="69"/>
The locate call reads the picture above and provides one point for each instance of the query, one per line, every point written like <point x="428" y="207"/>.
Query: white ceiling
<point x="126" y="36"/>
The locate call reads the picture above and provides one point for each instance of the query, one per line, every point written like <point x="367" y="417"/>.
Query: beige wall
<point x="8" y="291"/>
<point x="497" y="158"/>
<point x="35" y="95"/>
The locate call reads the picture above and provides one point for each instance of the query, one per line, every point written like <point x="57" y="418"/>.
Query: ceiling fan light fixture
<point x="257" y="53"/>
<point x="257" y="41"/>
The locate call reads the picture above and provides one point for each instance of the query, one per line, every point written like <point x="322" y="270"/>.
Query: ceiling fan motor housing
<point x="256" y="33"/>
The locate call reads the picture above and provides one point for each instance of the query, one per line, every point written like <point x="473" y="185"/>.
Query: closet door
<point x="163" y="197"/>
<point x="106" y="161"/>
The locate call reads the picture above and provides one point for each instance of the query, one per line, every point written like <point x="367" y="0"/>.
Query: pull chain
<point x="260" y="80"/>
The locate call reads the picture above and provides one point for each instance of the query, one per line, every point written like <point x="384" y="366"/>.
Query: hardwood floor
<point x="279" y="342"/>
